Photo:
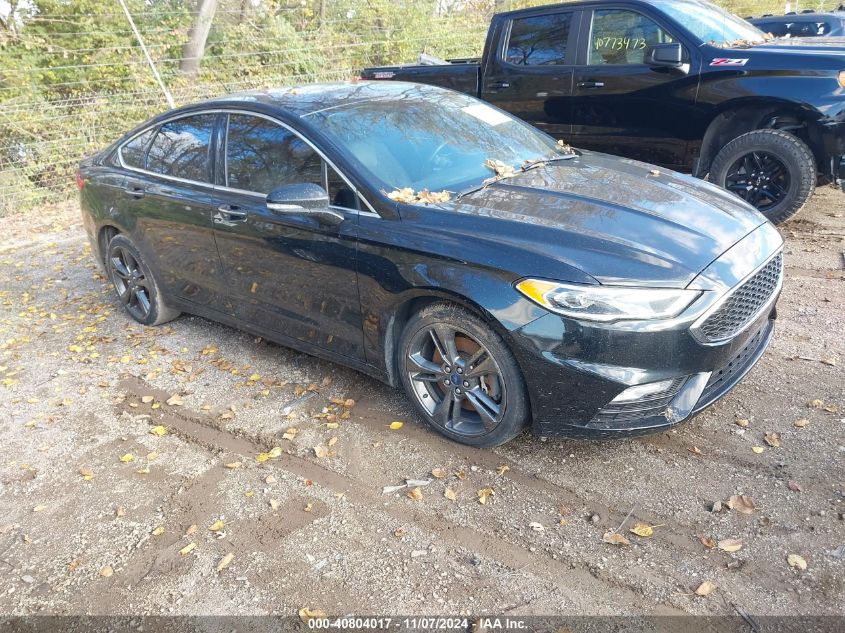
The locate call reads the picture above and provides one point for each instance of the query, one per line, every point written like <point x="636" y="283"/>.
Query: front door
<point x="288" y="274"/>
<point x="623" y="106"/>
<point x="169" y="192"/>
<point x="530" y="75"/>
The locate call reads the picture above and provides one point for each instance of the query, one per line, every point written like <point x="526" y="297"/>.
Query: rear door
<point x="530" y="72"/>
<point x="288" y="274"/>
<point x="169" y="195"/>
<point x="624" y="106"/>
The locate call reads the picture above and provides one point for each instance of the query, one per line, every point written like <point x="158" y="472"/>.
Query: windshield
<point x="428" y="138"/>
<point x="710" y="24"/>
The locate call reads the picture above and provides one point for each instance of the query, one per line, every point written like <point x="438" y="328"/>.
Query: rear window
<point x="539" y="40"/>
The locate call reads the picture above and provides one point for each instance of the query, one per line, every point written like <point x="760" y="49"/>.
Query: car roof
<point x="306" y="99"/>
<point x="797" y="17"/>
<point x="589" y="3"/>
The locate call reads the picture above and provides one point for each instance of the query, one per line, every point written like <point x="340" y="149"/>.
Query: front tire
<point x="461" y="377"/>
<point x="135" y="285"/>
<point x="772" y="170"/>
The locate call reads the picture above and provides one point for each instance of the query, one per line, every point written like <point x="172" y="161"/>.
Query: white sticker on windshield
<point x="488" y="115"/>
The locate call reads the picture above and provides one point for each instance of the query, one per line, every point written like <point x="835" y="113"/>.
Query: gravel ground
<point x="100" y="515"/>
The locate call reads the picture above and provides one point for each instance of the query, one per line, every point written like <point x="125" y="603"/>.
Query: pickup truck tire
<point x="772" y="170"/>
<point x="462" y="377"/>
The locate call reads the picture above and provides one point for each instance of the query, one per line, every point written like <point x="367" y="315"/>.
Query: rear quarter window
<point x="134" y="153"/>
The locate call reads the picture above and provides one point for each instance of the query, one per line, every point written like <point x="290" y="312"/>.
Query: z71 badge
<point x="724" y="61"/>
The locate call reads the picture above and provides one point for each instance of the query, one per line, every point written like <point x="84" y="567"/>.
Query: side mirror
<point x="303" y="199"/>
<point x="665" y="55"/>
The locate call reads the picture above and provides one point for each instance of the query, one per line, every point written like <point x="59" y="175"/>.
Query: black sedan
<point x="438" y="243"/>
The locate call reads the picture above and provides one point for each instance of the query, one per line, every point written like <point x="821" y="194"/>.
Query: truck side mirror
<point x="665" y="55"/>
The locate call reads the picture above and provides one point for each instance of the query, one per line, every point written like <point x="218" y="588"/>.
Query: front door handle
<point x="498" y="85"/>
<point x="228" y="213"/>
<point x="591" y="84"/>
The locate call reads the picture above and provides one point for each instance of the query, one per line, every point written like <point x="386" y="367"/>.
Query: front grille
<point x="744" y="304"/>
<point x="649" y="407"/>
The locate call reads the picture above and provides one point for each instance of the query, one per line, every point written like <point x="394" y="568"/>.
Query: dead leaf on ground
<point x="290" y="433"/>
<point x="815" y="404"/>
<point x="217" y="526"/>
<point x="708" y="542"/>
<point x="129" y="457"/>
<point x="321" y="451"/>
<point x="158" y="531"/>
<point x="773" y="439"/>
<point x="175" y="401"/>
<point x="501" y="470"/>
<point x="107" y="571"/>
<point x="224" y="562"/>
<point x="120" y="512"/>
<point x="396" y="425"/>
<point x="274" y="503"/>
<point x="695" y="450"/>
<point x="741" y="503"/>
<point x="306" y="614"/>
<point x="187" y="549"/>
<point x="484" y="494"/>
<point x="705" y="588"/>
<point x="643" y="530"/>
<point x="450" y="494"/>
<point x="438" y="473"/>
<point x="415" y="494"/>
<point x="800" y="424"/>
<point x="158" y="430"/>
<point x="742" y="422"/>
<point x="757" y="449"/>
<point x="615" y="538"/>
<point x="191" y="530"/>
<point x="233" y="465"/>
<point x="794" y="486"/>
<point x="87" y="473"/>
<point x="730" y="545"/>
<point x="796" y="562"/>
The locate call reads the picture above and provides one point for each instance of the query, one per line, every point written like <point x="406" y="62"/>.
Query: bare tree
<point x="194" y="49"/>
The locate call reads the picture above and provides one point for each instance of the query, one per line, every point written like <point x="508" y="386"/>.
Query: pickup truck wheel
<point x="461" y="377"/>
<point x="772" y="170"/>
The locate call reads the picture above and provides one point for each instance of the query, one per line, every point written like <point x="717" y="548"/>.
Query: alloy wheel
<point x="130" y="283"/>
<point x="759" y="178"/>
<point x="456" y="380"/>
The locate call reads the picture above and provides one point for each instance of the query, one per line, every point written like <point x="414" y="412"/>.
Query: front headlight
<point x="607" y="303"/>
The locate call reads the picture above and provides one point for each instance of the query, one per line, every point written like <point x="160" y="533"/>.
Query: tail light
<point x="80" y="180"/>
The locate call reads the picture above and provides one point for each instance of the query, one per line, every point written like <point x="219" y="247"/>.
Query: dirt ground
<point x="100" y="515"/>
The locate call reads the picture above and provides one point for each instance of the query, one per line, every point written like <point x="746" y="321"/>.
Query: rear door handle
<point x="135" y="191"/>
<point x="591" y="84"/>
<point x="230" y="214"/>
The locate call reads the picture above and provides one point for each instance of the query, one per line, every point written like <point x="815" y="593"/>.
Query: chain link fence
<point x="73" y="76"/>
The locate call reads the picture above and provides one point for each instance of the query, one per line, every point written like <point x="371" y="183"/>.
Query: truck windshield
<point x="428" y="138"/>
<point x="710" y="24"/>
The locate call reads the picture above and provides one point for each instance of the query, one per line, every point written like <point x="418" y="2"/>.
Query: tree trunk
<point x="195" y="47"/>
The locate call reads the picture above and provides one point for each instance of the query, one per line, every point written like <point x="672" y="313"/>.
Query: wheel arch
<point x="738" y="117"/>
<point x="104" y="235"/>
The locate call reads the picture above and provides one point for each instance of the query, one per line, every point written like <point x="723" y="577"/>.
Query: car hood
<point x="617" y="220"/>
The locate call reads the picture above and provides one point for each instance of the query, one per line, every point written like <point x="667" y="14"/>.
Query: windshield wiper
<point x="526" y="166"/>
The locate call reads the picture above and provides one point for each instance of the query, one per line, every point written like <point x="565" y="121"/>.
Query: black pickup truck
<point x="679" y="83"/>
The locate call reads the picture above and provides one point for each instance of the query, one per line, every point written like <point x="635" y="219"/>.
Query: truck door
<point x="529" y="68"/>
<point x="623" y="106"/>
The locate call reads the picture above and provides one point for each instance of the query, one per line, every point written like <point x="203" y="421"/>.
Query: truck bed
<point x="461" y="75"/>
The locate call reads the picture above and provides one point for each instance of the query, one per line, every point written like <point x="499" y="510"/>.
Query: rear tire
<point x="135" y="285"/>
<point x="462" y="377"/>
<point x="772" y="170"/>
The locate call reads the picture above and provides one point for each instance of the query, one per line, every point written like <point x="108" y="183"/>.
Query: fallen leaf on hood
<point x="187" y="549"/>
<point x="158" y="531"/>
<point x="643" y="530"/>
<point x="129" y="457"/>
<point x="405" y="195"/>
<point x="705" y="588"/>
<point x="306" y="614"/>
<point x="450" y="494"/>
<point x="796" y="562"/>
<point x="224" y="562"/>
<point x="87" y="473"/>
<point x="233" y="465"/>
<point x="438" y="473"/>
<point x="107" y="571"/>
<point x="730" y="545"/>
<point x="217" y="526"/>
<point x="503" y="170"/>
<point x="773" y="439"/>
<point x="415" y="494"/>
<point x="501" y="470"/>
<point x="175" y="401"/>
<point x="484" y="494"/>
<point x="615" y="538"/>
<point x="395" y="426"/>
<point x="741" y="503"/>
<point x="800" y="424"/>
<point x="158" y="430"/>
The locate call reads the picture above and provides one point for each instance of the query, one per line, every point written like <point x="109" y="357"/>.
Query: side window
<point x="539" y="40"/>
<point x="180" y="148"/>
<point x="340" y="194"/>
<point x="262" y="155"/>
<point x="134" y="153"/>
<point x="621" y="37"/>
